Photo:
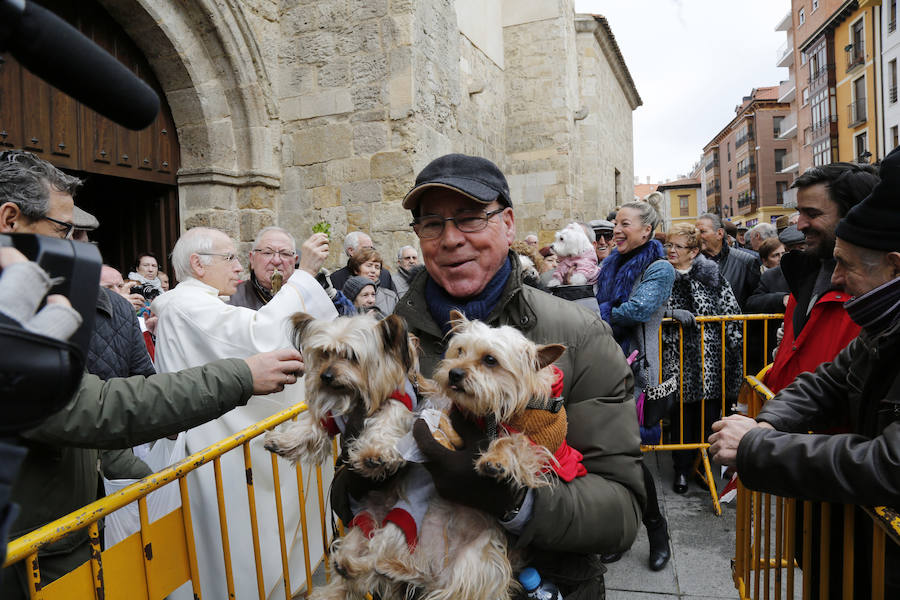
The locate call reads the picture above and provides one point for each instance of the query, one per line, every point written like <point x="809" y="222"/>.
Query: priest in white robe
<point x="195" y="327"/>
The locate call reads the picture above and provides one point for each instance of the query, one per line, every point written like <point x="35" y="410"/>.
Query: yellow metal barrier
<point x="161" y="556"/>
<point x="702" y="445"/>
<point x="822" y="540"/>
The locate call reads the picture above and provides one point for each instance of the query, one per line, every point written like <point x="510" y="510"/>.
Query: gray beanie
<point x="354" y="285"/>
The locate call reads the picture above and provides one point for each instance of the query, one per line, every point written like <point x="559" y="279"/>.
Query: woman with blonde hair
<point x="699" y="289"/>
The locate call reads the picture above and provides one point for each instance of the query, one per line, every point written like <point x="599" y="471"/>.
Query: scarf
<point x="262" y="293"/>
<point x="878" y="309"/>
<point x="440" y="303"/>
<point x="617" y="277"/>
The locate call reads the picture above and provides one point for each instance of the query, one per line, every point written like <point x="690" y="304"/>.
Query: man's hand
<point x="138" y="302"/>
<point x="10" y="256"/>
<point x="313" y="253"/>
<point x="727" y="435"/>
<point x="454" y="470"/>
<point x="274" y="370"/>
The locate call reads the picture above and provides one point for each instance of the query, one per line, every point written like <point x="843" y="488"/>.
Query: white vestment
<point x="195" y="327"/>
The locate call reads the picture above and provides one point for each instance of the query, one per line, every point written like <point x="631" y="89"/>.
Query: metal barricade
<point x="776" y="536"/>
<point x="161" y="556"/>
<point x="703" y="322"/>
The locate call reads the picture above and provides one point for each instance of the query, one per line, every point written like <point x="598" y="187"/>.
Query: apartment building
<point x="890" y="54"/>
<point x="681" y="201"/>
<point x="745" y="163"/>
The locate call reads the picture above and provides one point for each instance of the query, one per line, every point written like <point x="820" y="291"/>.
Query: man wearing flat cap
<point x="463" y="216"/>
<point x="858" y="391"/>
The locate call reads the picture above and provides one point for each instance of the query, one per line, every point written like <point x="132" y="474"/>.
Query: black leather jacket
<point x="859" y="391"/>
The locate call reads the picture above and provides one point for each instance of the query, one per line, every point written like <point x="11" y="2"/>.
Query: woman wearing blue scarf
<point x="635" y="283"/>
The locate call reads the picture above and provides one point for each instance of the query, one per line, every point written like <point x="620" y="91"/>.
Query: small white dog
<point x="577" y="258"/>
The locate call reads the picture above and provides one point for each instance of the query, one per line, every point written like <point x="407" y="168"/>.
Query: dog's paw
<point x="491" y="468"/>
<point x="376" y="465"/>
<point x="578" y="279"/>
<point x="299" y="442"/>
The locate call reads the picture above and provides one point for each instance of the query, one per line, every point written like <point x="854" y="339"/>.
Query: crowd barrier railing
<point x="161" y="556"/>
<point x="787" y="548"/>
<point x="765" y="342"/>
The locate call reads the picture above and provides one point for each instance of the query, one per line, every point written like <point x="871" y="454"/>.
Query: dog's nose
<point x="327" y="377"/>
<point x="456" y="375"/>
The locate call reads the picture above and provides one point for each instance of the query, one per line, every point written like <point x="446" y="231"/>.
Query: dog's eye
<point x="325" y="354"/>
<point x="489" y="360"/>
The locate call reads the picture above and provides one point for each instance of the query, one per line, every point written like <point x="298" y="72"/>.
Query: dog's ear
<point x="457" y="320"/>
<point x="300" y="322"/>
<point x="548" y="354"/>
<point x="394" y="336"/>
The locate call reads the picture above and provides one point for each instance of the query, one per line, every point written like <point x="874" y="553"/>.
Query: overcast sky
<point x="692" y="61"/>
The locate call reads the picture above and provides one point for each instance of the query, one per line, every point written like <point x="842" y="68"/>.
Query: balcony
<point x="819" y="77"/>
<point x="746" y="169"/>
<point x="789" y="163"/>
<point x="712" y="189"/>
<point x="788" y="127"/>
<point x="787" y="90"/>
<point x="742" y="139"/>
<point x="711" y="165"/>
<point x="745" y="199"/>
<point x="819" y="129"/>
<point x="857" y="112"/>
<point x="789" y="198"/>
<point x="785" y="24"/>
<point x="785" y="55"/>
<point x="856" y="54"/>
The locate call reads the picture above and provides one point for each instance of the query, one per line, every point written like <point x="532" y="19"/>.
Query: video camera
<point x="39" y="374"/>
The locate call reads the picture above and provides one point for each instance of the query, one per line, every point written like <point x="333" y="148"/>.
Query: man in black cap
<point x="463" y="216"/>
<point x="858" y="391"/>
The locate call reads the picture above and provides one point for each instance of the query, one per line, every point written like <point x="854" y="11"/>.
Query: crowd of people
<point x="833" y="268"/>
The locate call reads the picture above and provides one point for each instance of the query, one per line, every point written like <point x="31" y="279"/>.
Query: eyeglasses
<point x="678" y="247"/>
<point x="230" y="257"/>
<point x="268" y="253"/>
<point x="430" y="227"/>
<point x="69" y="228"/>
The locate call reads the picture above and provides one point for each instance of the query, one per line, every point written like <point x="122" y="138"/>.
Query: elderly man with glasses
<point x="272" y="262"/>
<point x="195" y="327"/>
<point x="462" y="213"/>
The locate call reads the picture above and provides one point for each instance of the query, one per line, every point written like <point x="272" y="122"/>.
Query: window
<point x="815" y="5"/>
<point x="684" y="205"/>
<point x="805" y="96"/>
<point x="858" y="107"/>
<point x="892" y="81"/>
<point x="856" y="50"/>
<point x="728" y="147"/>
<point x="801" y="16"/>
<point x="861" y="144"/>
<point x="776" y="126"/>
<point x="779" y="159"/>
<point x="895" y="136"/>
<point x="780" y="188"/>
<point x="729" y="179"/>
<point x="822" y="153"/>
<point x="892" y="16"/>
<point x="803" y="58"/>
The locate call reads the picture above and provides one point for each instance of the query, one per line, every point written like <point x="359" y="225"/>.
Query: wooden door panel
<point x="63" y="130"/>
<point x="35" y="114"/>
<point x="10" y="103"/>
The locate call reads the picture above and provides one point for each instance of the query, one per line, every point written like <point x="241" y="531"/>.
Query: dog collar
<point x="555" y="402"/>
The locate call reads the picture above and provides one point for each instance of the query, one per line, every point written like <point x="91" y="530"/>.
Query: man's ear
<point x="9" y="217"/>
<point x="509" y="219"/>
<point x="197" y="266"/>
<point x="894" y="259"/>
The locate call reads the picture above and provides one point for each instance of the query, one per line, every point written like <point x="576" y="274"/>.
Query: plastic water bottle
<point x="535" y="589"/>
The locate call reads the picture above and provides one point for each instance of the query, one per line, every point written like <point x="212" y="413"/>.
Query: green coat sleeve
<point x="124" y="412"/>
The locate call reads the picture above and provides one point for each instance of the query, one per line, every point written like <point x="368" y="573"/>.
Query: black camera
<point x="146" y="290"/>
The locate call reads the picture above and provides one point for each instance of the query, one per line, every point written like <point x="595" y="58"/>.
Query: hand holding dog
<point x="454" y="470"/>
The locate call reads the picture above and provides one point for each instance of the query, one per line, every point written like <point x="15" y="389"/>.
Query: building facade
<point x="681" y="201"/>
<point x="745" y="163"/>
<point x="293" y="113"/>
<point x="890" y="54"/>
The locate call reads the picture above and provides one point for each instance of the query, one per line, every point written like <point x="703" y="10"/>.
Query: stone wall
<point x="290" y="113"/>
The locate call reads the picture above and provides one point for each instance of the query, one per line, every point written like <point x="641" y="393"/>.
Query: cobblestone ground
<point x="702" y="547"/>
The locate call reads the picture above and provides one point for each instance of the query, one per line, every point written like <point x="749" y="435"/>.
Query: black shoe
<point x="610" y="558"/>
<point x="680" y="485"/>
<point x="658" y="534"/>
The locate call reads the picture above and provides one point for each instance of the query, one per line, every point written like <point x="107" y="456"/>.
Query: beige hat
<point x="84" y="220"/>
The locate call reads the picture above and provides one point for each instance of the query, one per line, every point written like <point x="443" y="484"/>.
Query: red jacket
<point x="828" y="330"/>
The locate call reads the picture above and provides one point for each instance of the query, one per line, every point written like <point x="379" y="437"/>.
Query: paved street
<point x="702" y="547"/>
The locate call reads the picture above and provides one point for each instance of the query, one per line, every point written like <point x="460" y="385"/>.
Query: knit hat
<point x="874" y="223"/>
<point x="472" y="176"/>
<point x="354" y="285"/>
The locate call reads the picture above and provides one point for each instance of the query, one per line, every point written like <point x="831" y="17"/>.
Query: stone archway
<point x="213" y="73"/>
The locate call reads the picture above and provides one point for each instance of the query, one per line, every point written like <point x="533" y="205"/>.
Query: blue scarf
<point x="617" y="276"/>
<point x="440" y="303"/>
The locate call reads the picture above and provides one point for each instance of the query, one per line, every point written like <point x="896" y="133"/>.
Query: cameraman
<point x="59" y="474"/>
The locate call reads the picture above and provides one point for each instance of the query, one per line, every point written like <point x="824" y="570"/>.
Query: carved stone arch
<point x="206" y="57"/>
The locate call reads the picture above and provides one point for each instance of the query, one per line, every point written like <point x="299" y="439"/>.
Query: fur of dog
<point x="577" y="258"/>
<point x="493" y="373"/>
<point x="352" y="366"/>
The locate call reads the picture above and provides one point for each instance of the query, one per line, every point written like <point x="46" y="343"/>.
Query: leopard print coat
<point x="704" y="291"/>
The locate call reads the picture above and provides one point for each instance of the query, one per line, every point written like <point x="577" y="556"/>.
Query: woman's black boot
<point x="658" y="534"/>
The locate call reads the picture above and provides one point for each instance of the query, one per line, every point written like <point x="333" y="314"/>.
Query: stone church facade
<point x="290" y="113"/>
